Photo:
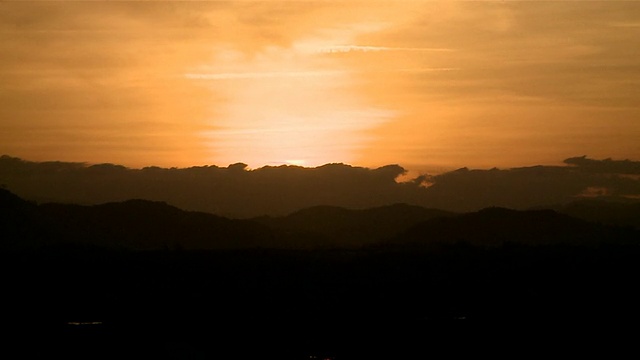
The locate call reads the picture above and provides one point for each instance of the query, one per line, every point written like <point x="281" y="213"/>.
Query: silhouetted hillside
<point x="132" y="224"/>
<point x="605" y="212"/>
<point x="19" y="220"/>
<point x="499" y="226"/>
<point x="148" y="225"/>
<point x="141" y="224"/>
<point x="338" y="226"/>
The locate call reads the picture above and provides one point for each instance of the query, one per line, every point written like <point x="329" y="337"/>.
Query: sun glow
<point x="288" y="102"/>
<point x="417" y="83"/>
<point x="298" y="162"/>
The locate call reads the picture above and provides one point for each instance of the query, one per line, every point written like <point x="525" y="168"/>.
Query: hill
<point x="152" y="225"/>
<point x="131" y="224"/>
<point x="341" y="227"/>
<point x="617" y="213"/>
<point x="500" y="226"/>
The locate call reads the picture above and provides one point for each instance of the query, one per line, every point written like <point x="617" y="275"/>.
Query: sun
<point x="297" y="162"/>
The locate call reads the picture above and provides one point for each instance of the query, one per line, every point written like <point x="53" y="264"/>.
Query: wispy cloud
<point x="428" y="69"/>
<point x="261" y="75"/>
<point x="363" y="48"/>
<point x="298" y="74"/>
<point x="625" y="24"/>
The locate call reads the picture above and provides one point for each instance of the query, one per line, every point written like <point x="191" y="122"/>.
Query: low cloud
<point x="238" y="191"/>
<point x="260" y="75"/>
<point x="365" y="48"/>
<point x="605" y="166"/>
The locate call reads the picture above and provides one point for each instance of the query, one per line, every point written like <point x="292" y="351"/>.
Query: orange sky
<point x="423" y="84"/>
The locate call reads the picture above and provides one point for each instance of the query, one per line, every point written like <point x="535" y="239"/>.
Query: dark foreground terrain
<point x="296" y="304"/>
<point x="484" y="283"/>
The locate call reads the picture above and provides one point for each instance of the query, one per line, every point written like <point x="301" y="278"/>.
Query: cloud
<point x="361" y="48"/>
<point x="526" y="187"/>
<point x="238" y="191"/>
<point x="295" y="74"/>
<point x="234" y="190"/>
<point x="78" y="73"/>
<point x="606" y="166"/>
<point x="261" y="75"/>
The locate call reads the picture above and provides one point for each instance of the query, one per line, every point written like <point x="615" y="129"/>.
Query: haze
<point x="423" y="84"/>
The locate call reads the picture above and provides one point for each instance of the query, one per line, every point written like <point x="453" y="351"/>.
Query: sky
<point x="423" y="84"/>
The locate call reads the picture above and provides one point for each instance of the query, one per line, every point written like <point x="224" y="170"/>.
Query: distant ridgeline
<point x="237" y="192"/>
<point x="151" y="225"/>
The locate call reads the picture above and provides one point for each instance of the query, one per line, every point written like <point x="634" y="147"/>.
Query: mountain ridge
<point x="148" y="225"/>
